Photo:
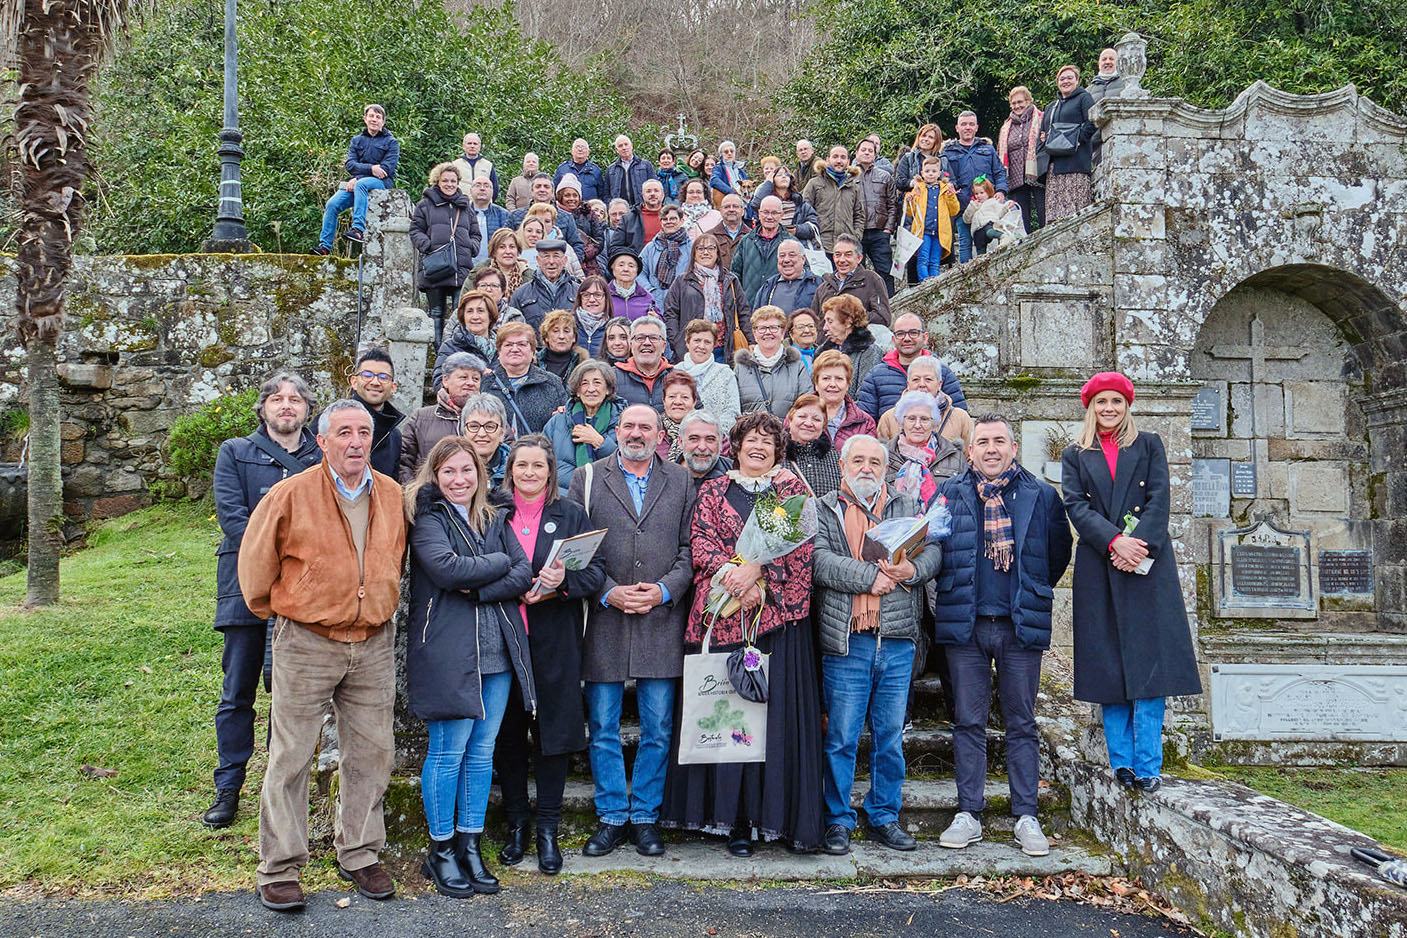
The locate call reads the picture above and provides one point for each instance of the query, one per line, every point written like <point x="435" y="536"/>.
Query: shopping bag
<point x="717" y="725"/>
<point x="906" y="245"/>
<point x="817" y="260"/>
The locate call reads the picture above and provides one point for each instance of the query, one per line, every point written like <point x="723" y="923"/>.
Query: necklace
<point x="528" y="518"/>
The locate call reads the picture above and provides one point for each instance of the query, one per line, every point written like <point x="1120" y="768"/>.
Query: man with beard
<point x="245" y="469"/>
<point x="635" y="627"/>
<point x="463" y="376"/>
<point x="869" y="617"/>
<point x="885" y="384"/>
<point x="702" y="442"/>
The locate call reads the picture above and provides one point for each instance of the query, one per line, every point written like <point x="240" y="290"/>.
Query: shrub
<point x="195" y="438"/>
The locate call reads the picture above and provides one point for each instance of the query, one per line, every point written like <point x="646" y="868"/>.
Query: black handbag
<point x="443" y="262"/>
<point x="745" y="666"/>
<point x="1063" y="139"/>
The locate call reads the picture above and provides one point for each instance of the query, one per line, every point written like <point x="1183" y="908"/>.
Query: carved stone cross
<point x="1257" y="353"/>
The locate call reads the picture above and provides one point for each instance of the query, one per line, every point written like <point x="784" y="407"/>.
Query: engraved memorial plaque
<point x="1211" y="488"/>
<point x="1264" y="571"/>
<point x="1345" y="572"/>
<point x="1309" y="702"/>
<point x="1206" y="409"/>
<point x="1243" y="480"/>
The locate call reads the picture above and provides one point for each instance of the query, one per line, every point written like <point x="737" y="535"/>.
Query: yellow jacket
<point x="916" y="206"/>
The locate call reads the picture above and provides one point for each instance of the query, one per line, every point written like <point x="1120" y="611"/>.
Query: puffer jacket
<point x="559" y="431"/>
<point x="634" y="388"/>
<point x="436" y="215"/>
<point x="773" y="389"/>
<point x="910" y="165"/>
<point x="887" y="381"/>
<point x="881" y="198"/>
<point x="532" y="403"/>
<point x="839" y="577"/>
<point x="649" y="261"/>
<point x="964" y="162"/>
<point x="840" y="209"/>
<point x="1043" y="545"/>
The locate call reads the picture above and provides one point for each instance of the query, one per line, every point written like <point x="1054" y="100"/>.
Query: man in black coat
<point x="373" y="382"/>
<point x="245" y="469"/>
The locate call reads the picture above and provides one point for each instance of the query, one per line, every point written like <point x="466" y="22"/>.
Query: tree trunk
<point x="45" y="480"/>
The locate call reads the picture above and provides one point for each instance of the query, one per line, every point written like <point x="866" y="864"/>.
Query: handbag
<point x="817" y="260"/>
<point x="717" y="723"/>
<point x="1062" y="139"/>
<point x="443" y="262"/>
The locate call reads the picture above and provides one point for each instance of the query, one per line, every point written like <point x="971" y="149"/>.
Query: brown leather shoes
<point x="372" y="881"/>
<point x="285" y="896"/>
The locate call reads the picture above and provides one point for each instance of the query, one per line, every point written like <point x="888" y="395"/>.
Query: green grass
<point x="123" y="674"/>
<point x="1373" y="801"/>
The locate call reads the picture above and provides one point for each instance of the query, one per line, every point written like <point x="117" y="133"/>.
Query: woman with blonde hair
<point x="927" y="142"/>
<point x="1133" y="647"/>
<point x="505" y="246"/>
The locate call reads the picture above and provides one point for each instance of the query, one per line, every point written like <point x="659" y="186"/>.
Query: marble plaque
<point x="1263" y="568"/>
<point x="1309" y="702"/>
<point x="1206" y="409"/>
<point x="1345" y="572"/>
<point x="1211" y="488"/>
<point x="1243" y="479"/>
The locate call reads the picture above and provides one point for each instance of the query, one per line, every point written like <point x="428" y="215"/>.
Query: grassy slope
<point x="1373" y="801"/>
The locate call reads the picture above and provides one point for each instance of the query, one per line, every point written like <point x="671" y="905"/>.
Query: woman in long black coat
<point x="1133" y="647"/>
<point x="538" y="515"/>
<point x="441" y="214"/>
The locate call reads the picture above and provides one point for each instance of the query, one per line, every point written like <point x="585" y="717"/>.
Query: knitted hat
<point x="1106" y="381"/>
<point x="569" y="181"/>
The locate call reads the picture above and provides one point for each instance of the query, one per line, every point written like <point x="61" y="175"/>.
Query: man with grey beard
<point x="702" y="442"/>
<point x="870" y="614"/>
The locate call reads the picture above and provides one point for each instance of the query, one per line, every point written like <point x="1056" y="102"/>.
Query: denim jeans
<point x="930" y="257"/>
<point x="873" y="679"/>
<point x="1018" y="675"/>
<point x="245" y="658"/>
<point x="655" y="699"/>
<point x="964" y="234"/>
<point x="341" y="201"/>
<point x="459" y="764"/>
<point x="1133" y="734"/>
<point x="875" y="242"/>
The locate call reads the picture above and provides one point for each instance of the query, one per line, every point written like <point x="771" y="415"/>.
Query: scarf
<point x="589" y="323"/>
<point x="922" y="456"/>
<point x="698" y="370"/>
<point x="585" y="452"/>
<point x="670" y="183"/>
<point x="713" y="297"/>
<point x="768" y="362"/>
<point x="999" y="544"/>
<point x="671" y="249"/>
<point x="839" y="177"/>
<point x="484" y="345"/>
<point x="514" y="278"/>
<point x="693" y="212"/>
<point x="730" y="173"/>
<point x="864" y="609"/>
<point x="671" y="429"/>
<point x="1022" y="151"/>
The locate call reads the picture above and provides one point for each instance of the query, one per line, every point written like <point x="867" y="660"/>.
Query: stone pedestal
<point x="409" y="333"/>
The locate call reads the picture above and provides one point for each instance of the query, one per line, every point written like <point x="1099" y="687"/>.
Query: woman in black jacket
<point x="708" y="290"/>
<point x="1067" y="139"/>
<point x="1133" y="647"/>
<point x="538" y="516"/>
<point x="442" y="215"/>
<point x="467" y="644"/>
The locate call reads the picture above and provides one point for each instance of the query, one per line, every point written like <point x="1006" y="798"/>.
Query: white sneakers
<point x="1030" y="838"/>
<point x="965" y="831"/>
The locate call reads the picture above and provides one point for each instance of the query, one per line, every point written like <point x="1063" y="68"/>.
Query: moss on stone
<point x="1024" y="383"/>
<point x="292" y="298"/>
<point x="213" y="355"/>
<point x="150" y="261"/>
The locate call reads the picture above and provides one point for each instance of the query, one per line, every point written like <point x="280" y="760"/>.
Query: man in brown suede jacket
<point x="323" y="553"/>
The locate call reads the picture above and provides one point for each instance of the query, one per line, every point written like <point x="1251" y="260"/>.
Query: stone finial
<point x="1133" y="62"/>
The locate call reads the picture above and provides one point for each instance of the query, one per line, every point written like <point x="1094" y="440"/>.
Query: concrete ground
<point x="595" y="907"/>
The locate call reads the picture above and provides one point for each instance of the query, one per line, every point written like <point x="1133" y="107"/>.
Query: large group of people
<point x="658" y="372"/>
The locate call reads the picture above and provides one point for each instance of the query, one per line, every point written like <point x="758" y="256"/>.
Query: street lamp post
<point x="229" y="234"/>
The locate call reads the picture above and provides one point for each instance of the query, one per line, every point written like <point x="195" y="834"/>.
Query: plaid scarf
<point x="1000" y="545"/>
<point x="671" y="249"/>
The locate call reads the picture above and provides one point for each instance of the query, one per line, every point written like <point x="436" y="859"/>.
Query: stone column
<point x="408" y="335"/>
<point x="388" y="263"/>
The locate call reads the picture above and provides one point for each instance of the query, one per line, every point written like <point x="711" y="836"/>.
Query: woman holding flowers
<point x="781" y="797"/>
<point x="1133" y="647"/>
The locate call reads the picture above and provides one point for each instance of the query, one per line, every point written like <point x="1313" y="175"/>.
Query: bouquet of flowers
<point x="776" y="527"/>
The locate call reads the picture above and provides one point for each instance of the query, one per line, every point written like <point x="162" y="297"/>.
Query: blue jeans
<point x="459" y="764"/>
<point x="930" y="257"/>
<point x="875" y="242"/>
<point x="655" y="699"/>
<point x="342" y="200"/>
<point x="964" y="234"/>
<point x="1133" y="734"/>
<point x="872" y="679"/>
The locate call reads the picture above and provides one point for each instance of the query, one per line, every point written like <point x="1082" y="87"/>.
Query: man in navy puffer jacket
<point x="887" y="381"/>
<point x="372" y="157"/>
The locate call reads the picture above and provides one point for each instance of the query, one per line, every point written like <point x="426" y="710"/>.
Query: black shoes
<point x="836" y="841"/>
<point x="357" y="235"/>
<point x="1125" y="777"/>
<point x="549" y="855"/>
<point x="516" y="845"/>
<point x="471" y="863"/>
<point x="321" y="251"/>
<point x="1149" y="784"/>
<point x="740" y="842"/>
<point x="442" y="869"/>
<point x="221" y="814"/>
<point x="891" y="835"/>
<point x="648" y="842"/>
<point x="606" y="839"/>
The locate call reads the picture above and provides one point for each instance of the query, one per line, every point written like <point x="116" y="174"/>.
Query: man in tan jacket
<point x="322" y="553"/>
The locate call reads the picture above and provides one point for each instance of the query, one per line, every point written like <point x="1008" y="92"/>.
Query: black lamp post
<point x="229" y="234"/>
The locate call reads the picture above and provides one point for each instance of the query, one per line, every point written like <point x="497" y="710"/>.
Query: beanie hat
<point x="569" y="181"/>
<point x="1106" y="381"/>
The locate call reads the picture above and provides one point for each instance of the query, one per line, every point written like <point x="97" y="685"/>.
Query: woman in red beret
<point x="1133" y="647"/>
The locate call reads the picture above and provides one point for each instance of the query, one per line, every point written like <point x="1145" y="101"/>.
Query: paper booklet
<point x="575" y="552"/>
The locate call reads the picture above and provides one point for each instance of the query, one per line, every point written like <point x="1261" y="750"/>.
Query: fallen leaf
<point x="145" y="670"/>
<point x="93" y="771"/>
<point x="347" y="900"/>
<point x="911" y="919"/>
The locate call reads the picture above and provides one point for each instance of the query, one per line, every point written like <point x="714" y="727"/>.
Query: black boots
<point x="517" y="843"/>
<point x="442" y="869"/>
<point x="549" y="855"/>
<point x="471" y="862"/>
<point x="222" y="813"/>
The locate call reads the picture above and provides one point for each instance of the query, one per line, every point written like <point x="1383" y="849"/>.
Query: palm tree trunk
<point x="45" y="481"/>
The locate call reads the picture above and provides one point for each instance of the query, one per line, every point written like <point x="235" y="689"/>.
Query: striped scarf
<point x="999" y="544"/>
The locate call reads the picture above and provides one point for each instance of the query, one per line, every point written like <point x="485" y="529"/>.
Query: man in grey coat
<point x="635" y="628"/>
<point x="870" y="614"/>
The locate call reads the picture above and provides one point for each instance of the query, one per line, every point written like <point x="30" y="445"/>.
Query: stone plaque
<point x="1345" y="572"/>
<point x="1206" y="409"/>
<point x="1263" y="568"/>
<point x="1309" y="702"/>
<point x="1243" y="480"/>
<point x="1060" y="326"/>
<point x="1211" y="488"/>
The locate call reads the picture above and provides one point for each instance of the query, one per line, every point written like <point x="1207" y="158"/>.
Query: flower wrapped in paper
<point x="776" y="527"/>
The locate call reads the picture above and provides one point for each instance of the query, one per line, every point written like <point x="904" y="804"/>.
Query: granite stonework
<point x="1245" y="267"/>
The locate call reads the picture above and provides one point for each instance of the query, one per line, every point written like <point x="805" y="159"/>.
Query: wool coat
<point x="1132" y="640"/>
<point x="532" y="403"/>
<point x="435" y="217"/>
<point x="649" y="546"/>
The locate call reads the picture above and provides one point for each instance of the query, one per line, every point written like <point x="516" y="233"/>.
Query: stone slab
<point x="1211" y="488"/>
<point x="1309" y="702"/>
<point x="1263" y="571"/>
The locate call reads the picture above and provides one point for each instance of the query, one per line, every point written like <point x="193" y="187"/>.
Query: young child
<point x="928" y="212"/>
<point x="983" y="213"/>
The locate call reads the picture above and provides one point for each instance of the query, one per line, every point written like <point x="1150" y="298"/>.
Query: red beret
<point x="1106" y="381"/>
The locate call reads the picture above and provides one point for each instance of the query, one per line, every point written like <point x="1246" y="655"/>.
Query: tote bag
<point x="906" y="245"/>
<point x="717" y="724"/>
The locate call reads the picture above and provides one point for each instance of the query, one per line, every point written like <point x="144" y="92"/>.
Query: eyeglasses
<point x="378" y="375"/>
<point x="592" y="293"/>
<point x="475" y="427"/>
<point x="647" y="339"/>
<point x="769" y="330"/>
<point x="918" y="418"/>
<point x="907" y="333"/>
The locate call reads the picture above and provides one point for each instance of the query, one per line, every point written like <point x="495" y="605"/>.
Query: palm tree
<point x="57" y="46"/>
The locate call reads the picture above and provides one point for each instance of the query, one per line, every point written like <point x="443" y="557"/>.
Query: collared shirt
<point x="364" y="486"/>
<point x="483" y="252"/>
<point x="637" y="486"/>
